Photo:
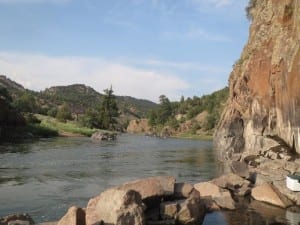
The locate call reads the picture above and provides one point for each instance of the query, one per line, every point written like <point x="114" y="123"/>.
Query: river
<point x="44" y="178"/>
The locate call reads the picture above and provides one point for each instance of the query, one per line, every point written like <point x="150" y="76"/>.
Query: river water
<point x="44" y="178"/>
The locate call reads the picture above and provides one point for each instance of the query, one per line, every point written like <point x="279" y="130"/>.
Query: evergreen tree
<point x="64" y="113"/>
<point x="108" y="109"/>
<point x="26" y="103"/>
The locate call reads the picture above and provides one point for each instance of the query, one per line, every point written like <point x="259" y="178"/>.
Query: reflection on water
<point x="46" y="177"/>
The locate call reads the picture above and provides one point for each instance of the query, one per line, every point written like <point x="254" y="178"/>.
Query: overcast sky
<point x="143" y="48"/>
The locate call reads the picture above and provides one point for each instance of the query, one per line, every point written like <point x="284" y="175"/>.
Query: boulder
<point x="211" y="192"/>
<point x="208" y="189"/>
<point x="230" y="181"/>
<point x="282" y="188"/>
<point x="168" y="210"/>
<point x="183" y="190"/>
<point x="17" y="219"/>
<point x="252" y="160"/>
<point x="191" y="211"/>
<point x="74" y="216"/>
<point x="104" y="136"/>
<point x="115" y="206"/>
<point x="240" y="168"/>
<point x="152" y="189"/>
<point x="225" y="200"/>
<point x="269" y="193"/>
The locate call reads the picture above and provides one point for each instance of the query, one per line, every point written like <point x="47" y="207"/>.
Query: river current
<point x="44" y="178"/>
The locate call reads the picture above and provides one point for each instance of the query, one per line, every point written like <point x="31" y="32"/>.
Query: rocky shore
<point x="161" y="200"/>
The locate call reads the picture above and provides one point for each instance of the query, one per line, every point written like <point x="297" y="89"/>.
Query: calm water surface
<point x="46" y="177"/>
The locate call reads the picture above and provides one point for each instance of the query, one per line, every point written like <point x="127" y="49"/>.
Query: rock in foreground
<point x="269" y="194"/>
<point x="17" y="219"/>
<point x="74" y="216"/>
<point x="114" y="206"/>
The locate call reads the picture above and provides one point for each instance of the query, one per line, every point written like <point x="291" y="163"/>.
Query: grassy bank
<point x="65" y="128"/>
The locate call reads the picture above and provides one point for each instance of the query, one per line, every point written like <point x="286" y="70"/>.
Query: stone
<point x="264" y="84"/>
<point x="212" y="193"/>
<point x="225" y="201"/>
<point x="138" y="126"/>
<point x="230" y="181"/>
<point x="243" y="191"/>
<point x="182" y="190"/>
<point x="282" y="188"/>
<point x="208" y="189"/>
<point x="252" y="160"/>
<point x="191" y="211"/>
<point x="104" y="136"/>
<point x="74" y="216"/>
<point x="152" y="189"/>
<point x="269" y="193"/>
<point x="115" y="206"/>
<point x="240" y="168"/>
<point x="22" y="219"/>
<point x="262" y="179"/>
<point x="168" y="210"/>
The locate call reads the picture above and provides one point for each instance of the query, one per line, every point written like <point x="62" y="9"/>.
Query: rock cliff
<point x="264" y="97"/>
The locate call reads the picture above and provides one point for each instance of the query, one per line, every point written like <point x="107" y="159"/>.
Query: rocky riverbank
<point x="161" y="200"/>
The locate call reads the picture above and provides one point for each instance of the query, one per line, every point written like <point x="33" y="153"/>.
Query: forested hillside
<point x="190" y="117"/>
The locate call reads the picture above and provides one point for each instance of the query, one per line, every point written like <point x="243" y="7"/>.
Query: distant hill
<point x="79" y="97"/>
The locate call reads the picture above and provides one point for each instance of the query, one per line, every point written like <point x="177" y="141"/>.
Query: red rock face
<point x="265" y="83"/>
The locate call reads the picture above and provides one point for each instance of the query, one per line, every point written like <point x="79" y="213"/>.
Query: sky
<point x="143" y="48"/>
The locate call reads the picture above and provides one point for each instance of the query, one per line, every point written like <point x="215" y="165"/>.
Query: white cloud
<point x="207" y="3"/>
<point x="39" y="71"/>
<point x="183" y="66"/>
<point x="196" y="34"/>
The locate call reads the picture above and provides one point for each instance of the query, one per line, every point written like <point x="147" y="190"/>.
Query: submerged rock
<point x="104" y="136"/>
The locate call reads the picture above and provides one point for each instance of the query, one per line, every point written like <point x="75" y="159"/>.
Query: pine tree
<point x="108" y="110"/>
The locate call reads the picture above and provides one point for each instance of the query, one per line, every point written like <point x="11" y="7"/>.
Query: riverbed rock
<point x="152" y="189"/>
<point x="208" y="189"/>
<point x="225" y="200"/>
<point x="17" y="219"/>
<point x="282" y="188"/>
<point x="183" y="190"/>
<point x="270" y="194"/>
<point x="116" y="206"/>
<point x="230" y="181"/>
<point x="240" y="168"/>
<point x="74" y="216"/>
<point x="210" y="192"/>
<point x="191" y="211"/>
<point x="104" y="136"/>
<point x="168" y="210"/>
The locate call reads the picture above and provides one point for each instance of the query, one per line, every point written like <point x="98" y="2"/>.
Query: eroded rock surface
<point x="264" y="102"/>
